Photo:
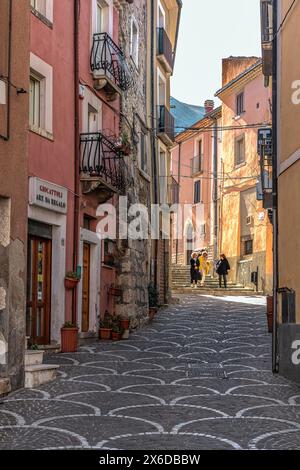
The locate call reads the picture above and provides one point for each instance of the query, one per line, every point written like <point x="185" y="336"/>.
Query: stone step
<point x="36" y="375"/>
<point x="34" y="357"/>
<point x="216" y="292"/>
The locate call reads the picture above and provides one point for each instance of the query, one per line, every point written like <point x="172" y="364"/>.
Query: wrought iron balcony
<point x="166" y="124"/>
<point x="102" y="166"/>
<point x="266" y="7"/>
<point x="164" y="50"/>
<point x="196" y="165"/>
<point x="109" y="65"/>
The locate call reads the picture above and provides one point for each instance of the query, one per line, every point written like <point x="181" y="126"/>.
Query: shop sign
<point x="48" y="195"/>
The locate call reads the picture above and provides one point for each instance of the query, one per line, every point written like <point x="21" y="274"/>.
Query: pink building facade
<point x="193" y="169"/>
<point x="75" y="163"/>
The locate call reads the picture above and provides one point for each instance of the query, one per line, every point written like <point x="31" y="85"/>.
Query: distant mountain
<point x="185" y="115"/>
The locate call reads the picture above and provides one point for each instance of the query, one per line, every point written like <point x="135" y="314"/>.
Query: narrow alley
<point x="198" y="377"/>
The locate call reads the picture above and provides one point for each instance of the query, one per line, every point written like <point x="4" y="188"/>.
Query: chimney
<point x="209" y="106"/>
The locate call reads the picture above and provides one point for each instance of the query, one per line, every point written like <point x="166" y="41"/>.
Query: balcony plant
<point x="105" y="327"/>
<point x="69" y="337"/>
<point x="124" y="144"/>
<point x="71" y="280"/>
<point x="153" y="300"/>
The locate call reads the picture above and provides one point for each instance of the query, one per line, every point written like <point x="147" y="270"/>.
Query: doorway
<point x="189" y="242"/>
<point x="38" y="312"/>
<point x="86" y="288"/>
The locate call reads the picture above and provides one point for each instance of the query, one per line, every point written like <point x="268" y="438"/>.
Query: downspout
<point x="179" y="179"/>
<point x="215" y="188"/>
<point x="275" y="194"/>
<point x="76" y="155"/>
<point x="153" y="135"/>
<point x="8" y="84"/>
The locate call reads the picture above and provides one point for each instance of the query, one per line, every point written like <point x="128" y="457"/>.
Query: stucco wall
<point x="14" y="195"/>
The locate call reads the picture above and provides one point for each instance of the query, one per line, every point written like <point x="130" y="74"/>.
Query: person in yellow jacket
<point x="204" y="267"/>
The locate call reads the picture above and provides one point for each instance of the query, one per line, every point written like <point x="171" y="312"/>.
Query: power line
<point x="284" y="19"/>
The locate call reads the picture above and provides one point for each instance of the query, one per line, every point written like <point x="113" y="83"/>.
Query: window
<point x="197" y="192"/>
<point x="39" y="5"/>
<point x="240" y="150"/>
<point x="143" y="152"/>
<point x="99" y="18"/>
<point x="240" y="104"/>
<point x="248" y="247"/>
<point x="87" y="222"/>
<point x="134" y="43"/>
<point x="43" y="8"/>
<point x="41" y="97"/>
<point x="35" y="102"/>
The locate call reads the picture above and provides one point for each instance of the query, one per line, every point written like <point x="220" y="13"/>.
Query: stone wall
<point x="134" y="255"/>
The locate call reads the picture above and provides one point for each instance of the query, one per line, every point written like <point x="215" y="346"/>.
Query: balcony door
<point x="39" y="290"/>
<point x="92" y="120"/>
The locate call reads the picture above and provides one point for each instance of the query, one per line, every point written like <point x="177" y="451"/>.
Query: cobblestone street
<point x="198" y="377"/>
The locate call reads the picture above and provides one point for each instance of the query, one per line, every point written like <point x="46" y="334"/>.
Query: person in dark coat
<point x="194" y="269"/>
<point x="222" y="269"/>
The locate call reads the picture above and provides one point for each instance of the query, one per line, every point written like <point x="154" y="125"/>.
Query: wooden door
<point x="38" y="313"/>
<point x="86" y="288"/>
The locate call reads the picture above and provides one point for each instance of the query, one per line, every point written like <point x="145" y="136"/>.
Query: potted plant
<point x="116" y="329"/>
<point x="124" y="144"/>
<point x="69" y="337"/>
<point x="71" y="280"/>
<point x="105" y="327"/>
<point x="153" y="300"/>
<point x="125" y="324"/>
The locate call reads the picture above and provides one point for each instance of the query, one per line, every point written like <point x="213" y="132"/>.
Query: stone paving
<point x="198" y="377"/>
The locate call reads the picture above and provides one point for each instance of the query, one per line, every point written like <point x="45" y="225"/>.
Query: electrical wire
<point x="284" y="19"/>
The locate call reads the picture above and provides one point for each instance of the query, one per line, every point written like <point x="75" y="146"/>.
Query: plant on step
<point x="105" y="322"/>
<point x="69" y="324"/>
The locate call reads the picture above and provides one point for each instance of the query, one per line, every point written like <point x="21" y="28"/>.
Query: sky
<point x="209" y="31"/>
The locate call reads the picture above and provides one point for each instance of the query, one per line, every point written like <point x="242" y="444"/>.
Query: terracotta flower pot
<point x="104" y="333"/>
<point x="116" y="336"/>
<point x="152" y="313"/>
<point x="125" y="324"/>
<point x="69" y="339"/>
<point x="71" y="283"/>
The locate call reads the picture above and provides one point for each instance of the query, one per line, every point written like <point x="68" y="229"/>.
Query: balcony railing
<point x="166" y="125"/>
<point x="267" y="35"/>
<point x="101" y="159"/>
<point x="108" y="59"/>
<point x="196" y="165"/>
<point x="164" y="49"/>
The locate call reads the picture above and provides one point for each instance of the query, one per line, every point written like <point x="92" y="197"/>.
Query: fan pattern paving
<point x="198" y="377"/>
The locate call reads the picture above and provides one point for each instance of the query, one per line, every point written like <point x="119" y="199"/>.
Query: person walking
<point x="222" y="269"/>
<point x="194" y="269"/>
<point x="204" y="267"/>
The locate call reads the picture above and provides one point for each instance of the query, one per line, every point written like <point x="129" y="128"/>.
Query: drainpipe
<point x="153" y="135"/>
<point x="215" y="188"/>
<point x="275" y="195"/>
<point x="179" y="179"/>
<point x="8" y="83"/>
<point x="76" y="154"/>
